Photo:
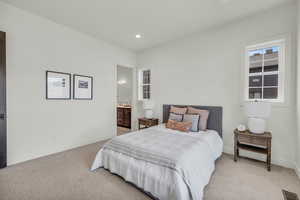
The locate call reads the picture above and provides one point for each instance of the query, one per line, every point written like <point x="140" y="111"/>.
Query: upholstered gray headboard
<point x="215" y="119"/>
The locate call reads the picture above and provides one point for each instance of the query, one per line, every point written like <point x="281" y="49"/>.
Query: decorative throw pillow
<point x="176" y="117"/>
<point x="178" y="110"/>
<point x="170" y="124"/>
<point x="179" y="126"/>
<point x="194" y="119"/>
<point x="203" y="117"/>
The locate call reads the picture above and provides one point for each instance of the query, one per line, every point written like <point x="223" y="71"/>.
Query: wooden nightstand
<point x="146" y="123"/>
<point x="253" y="142"/>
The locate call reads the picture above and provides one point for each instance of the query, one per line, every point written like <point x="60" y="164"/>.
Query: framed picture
<point x="58" y="85"/>
<point x="82" y="87"/>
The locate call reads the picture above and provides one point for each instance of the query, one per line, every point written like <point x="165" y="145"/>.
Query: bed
<point x="164" y="163"/>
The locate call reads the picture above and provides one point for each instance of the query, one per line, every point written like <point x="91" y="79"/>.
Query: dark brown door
<point x="120" y="116"/>
<point x="127" y="118"/>
<point x="2" y="100"/>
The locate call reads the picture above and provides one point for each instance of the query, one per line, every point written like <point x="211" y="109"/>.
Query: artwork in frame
<point x="82" y="87"/>
<point x="58" y="85"/>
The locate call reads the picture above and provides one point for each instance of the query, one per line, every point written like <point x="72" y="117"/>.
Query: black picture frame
<point x="75" y="86"/>
<point x="47" y="86"/>
<point x="3" y="103"/>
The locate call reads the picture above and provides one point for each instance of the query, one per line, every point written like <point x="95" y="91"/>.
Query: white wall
<point x="298" y="92"/>
<point x="125" y="91"/>
<point x="37" y="127"/>
<point x="206" y="69"/>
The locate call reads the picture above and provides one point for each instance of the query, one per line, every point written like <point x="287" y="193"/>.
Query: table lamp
<point x="257" y="113"/>
<point x="148" y="106"/>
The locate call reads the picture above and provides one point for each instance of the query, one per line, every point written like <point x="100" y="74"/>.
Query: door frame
<point x="134" y="95"/>
<point x="3" y="135"/>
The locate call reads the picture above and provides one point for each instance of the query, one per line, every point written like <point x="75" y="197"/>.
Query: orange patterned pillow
<point x="179" y="126"/>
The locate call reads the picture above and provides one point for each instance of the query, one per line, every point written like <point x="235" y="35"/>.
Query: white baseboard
<point x="228" y="150"/>
<point x="297" y="169"/>
<point x="280" y="162"/>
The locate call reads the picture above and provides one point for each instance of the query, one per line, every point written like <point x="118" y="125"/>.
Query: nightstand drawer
<point x="252" y="140"/>
<point x="147" y="122"/>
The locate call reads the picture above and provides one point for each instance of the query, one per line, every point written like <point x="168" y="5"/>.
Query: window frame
<point x="141" y="84"/>
<point x="281" y="43"/>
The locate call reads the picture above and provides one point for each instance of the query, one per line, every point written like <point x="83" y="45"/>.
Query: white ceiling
<point x="158" y="21"/>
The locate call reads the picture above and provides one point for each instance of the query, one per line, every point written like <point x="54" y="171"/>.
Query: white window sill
<point x="274" y="103"/>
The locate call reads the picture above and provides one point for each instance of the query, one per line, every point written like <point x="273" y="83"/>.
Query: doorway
<point x="3" y="151"/>
<point x="124" y="99"/>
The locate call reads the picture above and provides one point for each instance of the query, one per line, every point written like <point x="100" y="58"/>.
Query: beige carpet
<point x="66" y="176"/>
<point x="122" y="130"/>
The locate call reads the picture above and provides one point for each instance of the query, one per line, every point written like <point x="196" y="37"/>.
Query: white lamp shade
<point x="148" y="105"/>
<point x="258" y="109"/>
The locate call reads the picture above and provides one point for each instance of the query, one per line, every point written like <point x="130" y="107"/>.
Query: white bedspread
<point x="161" y="181"/>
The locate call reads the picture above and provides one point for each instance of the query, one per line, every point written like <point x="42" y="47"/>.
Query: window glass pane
<point x="271" y="80"/>
<point x="255" y="67"/>
<point x="255" y="81"/>
<point x="255" y="93"/>
<point x="146" y="77"/>
<point x="271" y="68"/>
<point x="146" y="92"/>
<point x="271" y="53"/>
<point x="256" y="55"/>
<point x="270" y="93"/>
<point x="256" y="60"/>
<point x="264" y="68"/>
<point x="271" y="59"/>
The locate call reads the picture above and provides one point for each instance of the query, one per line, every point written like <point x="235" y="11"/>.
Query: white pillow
<point x="194" y="119"/>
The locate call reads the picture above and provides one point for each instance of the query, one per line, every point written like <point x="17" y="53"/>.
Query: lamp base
<point x="256" y="125"/>
<point x="148" y="114"/>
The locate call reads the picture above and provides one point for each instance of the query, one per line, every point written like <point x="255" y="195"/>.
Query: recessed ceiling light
<point x="138" y="36"/>
<point x="122" y="82"/>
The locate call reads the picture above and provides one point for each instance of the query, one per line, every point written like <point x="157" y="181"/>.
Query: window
<point x="265" y="71"/>
<point x="144" y="84"/>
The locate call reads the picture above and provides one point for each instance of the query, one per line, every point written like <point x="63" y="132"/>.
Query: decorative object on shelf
<point x="257" y="113"/>
<point x="58" y="85"/>
<point x="148" y="106"/>
<point x="241" y="128"/>
<point x="82" y="87"/>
